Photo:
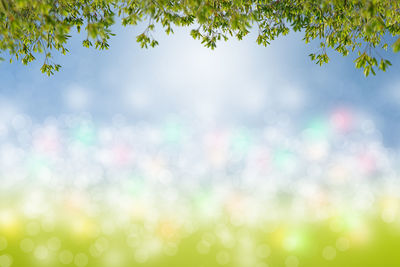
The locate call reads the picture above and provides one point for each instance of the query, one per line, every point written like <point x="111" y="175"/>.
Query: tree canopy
<point x="29" y="28"/>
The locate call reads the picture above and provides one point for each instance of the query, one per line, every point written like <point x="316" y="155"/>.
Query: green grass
<point x="91" y="242"/>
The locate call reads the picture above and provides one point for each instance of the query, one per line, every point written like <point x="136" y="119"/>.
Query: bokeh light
<point x="78" y="193"/>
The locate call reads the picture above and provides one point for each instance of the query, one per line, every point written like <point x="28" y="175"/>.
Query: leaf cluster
<point x="361" y="27"/>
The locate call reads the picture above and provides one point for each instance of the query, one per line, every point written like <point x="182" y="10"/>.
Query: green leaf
<point x="367" y="70"/>
<point x="396" y="46"/>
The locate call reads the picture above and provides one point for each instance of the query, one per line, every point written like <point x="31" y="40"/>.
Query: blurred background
<point x="183" y="156"/>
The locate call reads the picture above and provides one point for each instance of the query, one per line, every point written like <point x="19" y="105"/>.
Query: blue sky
<point x="239" y="83"/>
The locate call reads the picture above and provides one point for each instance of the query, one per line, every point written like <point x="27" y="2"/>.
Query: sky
<point x="239" y="83"/>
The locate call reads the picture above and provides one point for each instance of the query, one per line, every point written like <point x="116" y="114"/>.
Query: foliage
<point x="31" y="27"/>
